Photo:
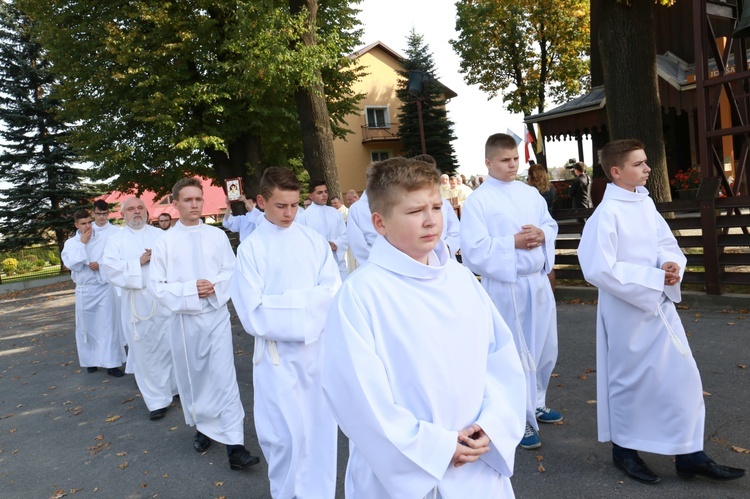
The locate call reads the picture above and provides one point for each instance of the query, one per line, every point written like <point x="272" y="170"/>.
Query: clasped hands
<point x="529" y="238"/>
<point x="671" y="273"/>
<point x="205" y="288"/>
<point x="472" y="443"/>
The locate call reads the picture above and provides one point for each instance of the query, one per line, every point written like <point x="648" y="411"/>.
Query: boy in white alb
<point x="282" y="288"/>
<point x="243" y="224"/>
<point x="191" y="266"/>
<point x="328" y="222"/>
<point x="649" y="393"/>
<point x="508" y="237"/>
<point x="420" y="369"/>
<point x="97" y="323"/>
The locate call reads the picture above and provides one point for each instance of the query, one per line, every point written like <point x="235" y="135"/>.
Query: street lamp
<point x="418" y="81"/>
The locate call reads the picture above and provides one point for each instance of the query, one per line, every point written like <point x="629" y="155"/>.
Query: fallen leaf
<point x="120" y="454"/>
<point x="143" y="485"/>
<point x="541" y="469"/>
<point x="12" y="430"/>
<point x="67" y="402"/>
<point x="706" y="394"/>
<point x="73" y="491"/>
<point x="731" y="323"/>
<point x="99" y="437"/>
<point x="582" y="376"/>
<point x="554" y="375"/>
<point x="123" y="465"/>
<point x="697" y="315"/>
<point x="165" y="475"/>
<point x="591" y="401"/>
<point x="112" y="419"/>
<point x="218" y="484"/>
<point x="740" y="449"/>
<point x="588" y="370"/>
<point x="20" y="405"/>
<point x="174" y="428"/>
<point x="539" y="458"/>
<point x="683" y="307"/>
<point x="127" y="400"/>
<point x="58" y="494"/>
<point x="52" y="388"/>
<point x="741" y="366"/>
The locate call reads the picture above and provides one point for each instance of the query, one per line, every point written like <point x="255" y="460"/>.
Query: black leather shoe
<point x="711" y="470"/>
<point x="116" y="372"/>
<point x="241" y="459"/>
<point x="637" y="469"/>
<point x="91" y="369"/>
<point x="157" y="414"/>
<point x="201" y="442"/>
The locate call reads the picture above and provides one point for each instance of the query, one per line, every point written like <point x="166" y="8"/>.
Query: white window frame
<point x="376" y="156"/>
<point x="375" y="123"/>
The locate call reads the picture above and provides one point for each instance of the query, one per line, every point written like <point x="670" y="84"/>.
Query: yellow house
<point x="375" y="124"/>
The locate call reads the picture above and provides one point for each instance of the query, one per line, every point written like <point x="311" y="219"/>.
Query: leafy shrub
<point x="31" y="258"/>
<point x="24" y="267"/>
<point x="39" y="264"/>
<point x="9" y="265"/>
<point x="53" y="259"/>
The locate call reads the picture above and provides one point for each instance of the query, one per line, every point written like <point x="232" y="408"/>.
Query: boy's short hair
<point x="425" y="158"/>
<point x="580" y="167"/>
<point x="101" y="205"/>
<point x="334" y="197"/>
<point x="276" y="177"/>
<point x="81" y="213"/>
<point x="497" y="141"/>
<point x="613" y="154"/>
<point x="387" y="180"/>
<point x="314" y="183"/>
<point x="185" y="182"/>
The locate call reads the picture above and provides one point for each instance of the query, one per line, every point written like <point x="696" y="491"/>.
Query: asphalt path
<point x="67" y="433"/>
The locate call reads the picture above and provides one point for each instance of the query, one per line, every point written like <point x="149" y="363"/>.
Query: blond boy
<point x="420" y="369"/>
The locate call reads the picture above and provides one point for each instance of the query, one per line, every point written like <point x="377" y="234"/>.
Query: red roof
<point x="214" y="202"/>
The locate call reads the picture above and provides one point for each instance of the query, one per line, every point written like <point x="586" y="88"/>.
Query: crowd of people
<point x="365" y="320"/>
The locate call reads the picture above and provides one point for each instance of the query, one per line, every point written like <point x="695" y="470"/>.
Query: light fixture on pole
<point x="418" y="81"/>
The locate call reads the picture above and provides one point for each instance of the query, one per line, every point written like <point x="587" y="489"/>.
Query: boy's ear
<point x="615" y="172"/>
<point x="378" y="222"/>
<point x="261" y="202"/>
<point x="487" y="162"/>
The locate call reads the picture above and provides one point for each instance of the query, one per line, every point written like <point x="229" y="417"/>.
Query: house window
<point x="377" y="117"/>
<point x="376" y="156"/>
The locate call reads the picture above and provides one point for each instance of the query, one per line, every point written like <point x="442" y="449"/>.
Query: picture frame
<point x="234" y="188"/>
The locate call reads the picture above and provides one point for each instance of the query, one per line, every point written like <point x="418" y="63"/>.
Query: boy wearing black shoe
<point x="649" y="393"/>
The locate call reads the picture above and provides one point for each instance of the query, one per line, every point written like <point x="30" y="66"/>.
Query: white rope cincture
<point x="193" y="412"/>
<point x="79" y="312"/>
<point x="672" y="336"/>
<point x="526" y="358"/>
<point x="135" y="318"/>
<point x="434" y="493"/>
<point x="260" y="348"/>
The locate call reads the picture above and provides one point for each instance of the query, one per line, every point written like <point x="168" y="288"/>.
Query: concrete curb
<point x="32" y="283"/>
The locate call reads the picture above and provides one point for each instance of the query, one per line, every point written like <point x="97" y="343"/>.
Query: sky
<point x="475" y="117"/>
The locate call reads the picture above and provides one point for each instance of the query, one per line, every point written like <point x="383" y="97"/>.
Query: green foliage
<point x="161" y="90"/>
<point x="44" y="186"/>
<point x="524" y="49"/>
<point x="24" y="267"/>
<point x="9" y="265"/>
<point x="438" y="129"/>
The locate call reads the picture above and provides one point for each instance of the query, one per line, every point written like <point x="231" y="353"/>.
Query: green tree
<point x="167" y="89"/>
<point x="526" y="50"/>
<point x="438" y="129"/>
<point x="628" y="50"/>
<point x="44" y="186"/>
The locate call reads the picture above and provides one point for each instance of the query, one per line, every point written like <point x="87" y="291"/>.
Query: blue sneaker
<point x="530" y="438"/>
<point x="547" y="415"/>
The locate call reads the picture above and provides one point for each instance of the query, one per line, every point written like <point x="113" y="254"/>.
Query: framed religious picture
<point x="234" y="188"/>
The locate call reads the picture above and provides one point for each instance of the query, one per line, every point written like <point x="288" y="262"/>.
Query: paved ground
<point x="64" y="432"/>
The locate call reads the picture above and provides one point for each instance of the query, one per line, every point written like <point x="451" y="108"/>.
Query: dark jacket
<point x="580" y="191"/>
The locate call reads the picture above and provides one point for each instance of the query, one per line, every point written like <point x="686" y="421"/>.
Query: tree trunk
<point x="315" y="125"/>
<point x="628" y="50"/>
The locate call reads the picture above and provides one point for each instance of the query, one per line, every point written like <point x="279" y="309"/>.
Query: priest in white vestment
<point x="508" y="237"/>
<point x="359" y="229"/>
<point x="420" y="369"/>
<point x="97" y="332"/>
<point x="649" y="392"/>
<point x="282" y="288"/>
<point x="328" y="222"/>
<point x="191" y="267"/>
<point x="126" y="265"/>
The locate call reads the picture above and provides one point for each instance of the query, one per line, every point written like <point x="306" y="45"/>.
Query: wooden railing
<point x="713" y="234"/>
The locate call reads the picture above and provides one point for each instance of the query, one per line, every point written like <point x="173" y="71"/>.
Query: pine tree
<point x="438" y="129"/>
<point x="41" y="186"/>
